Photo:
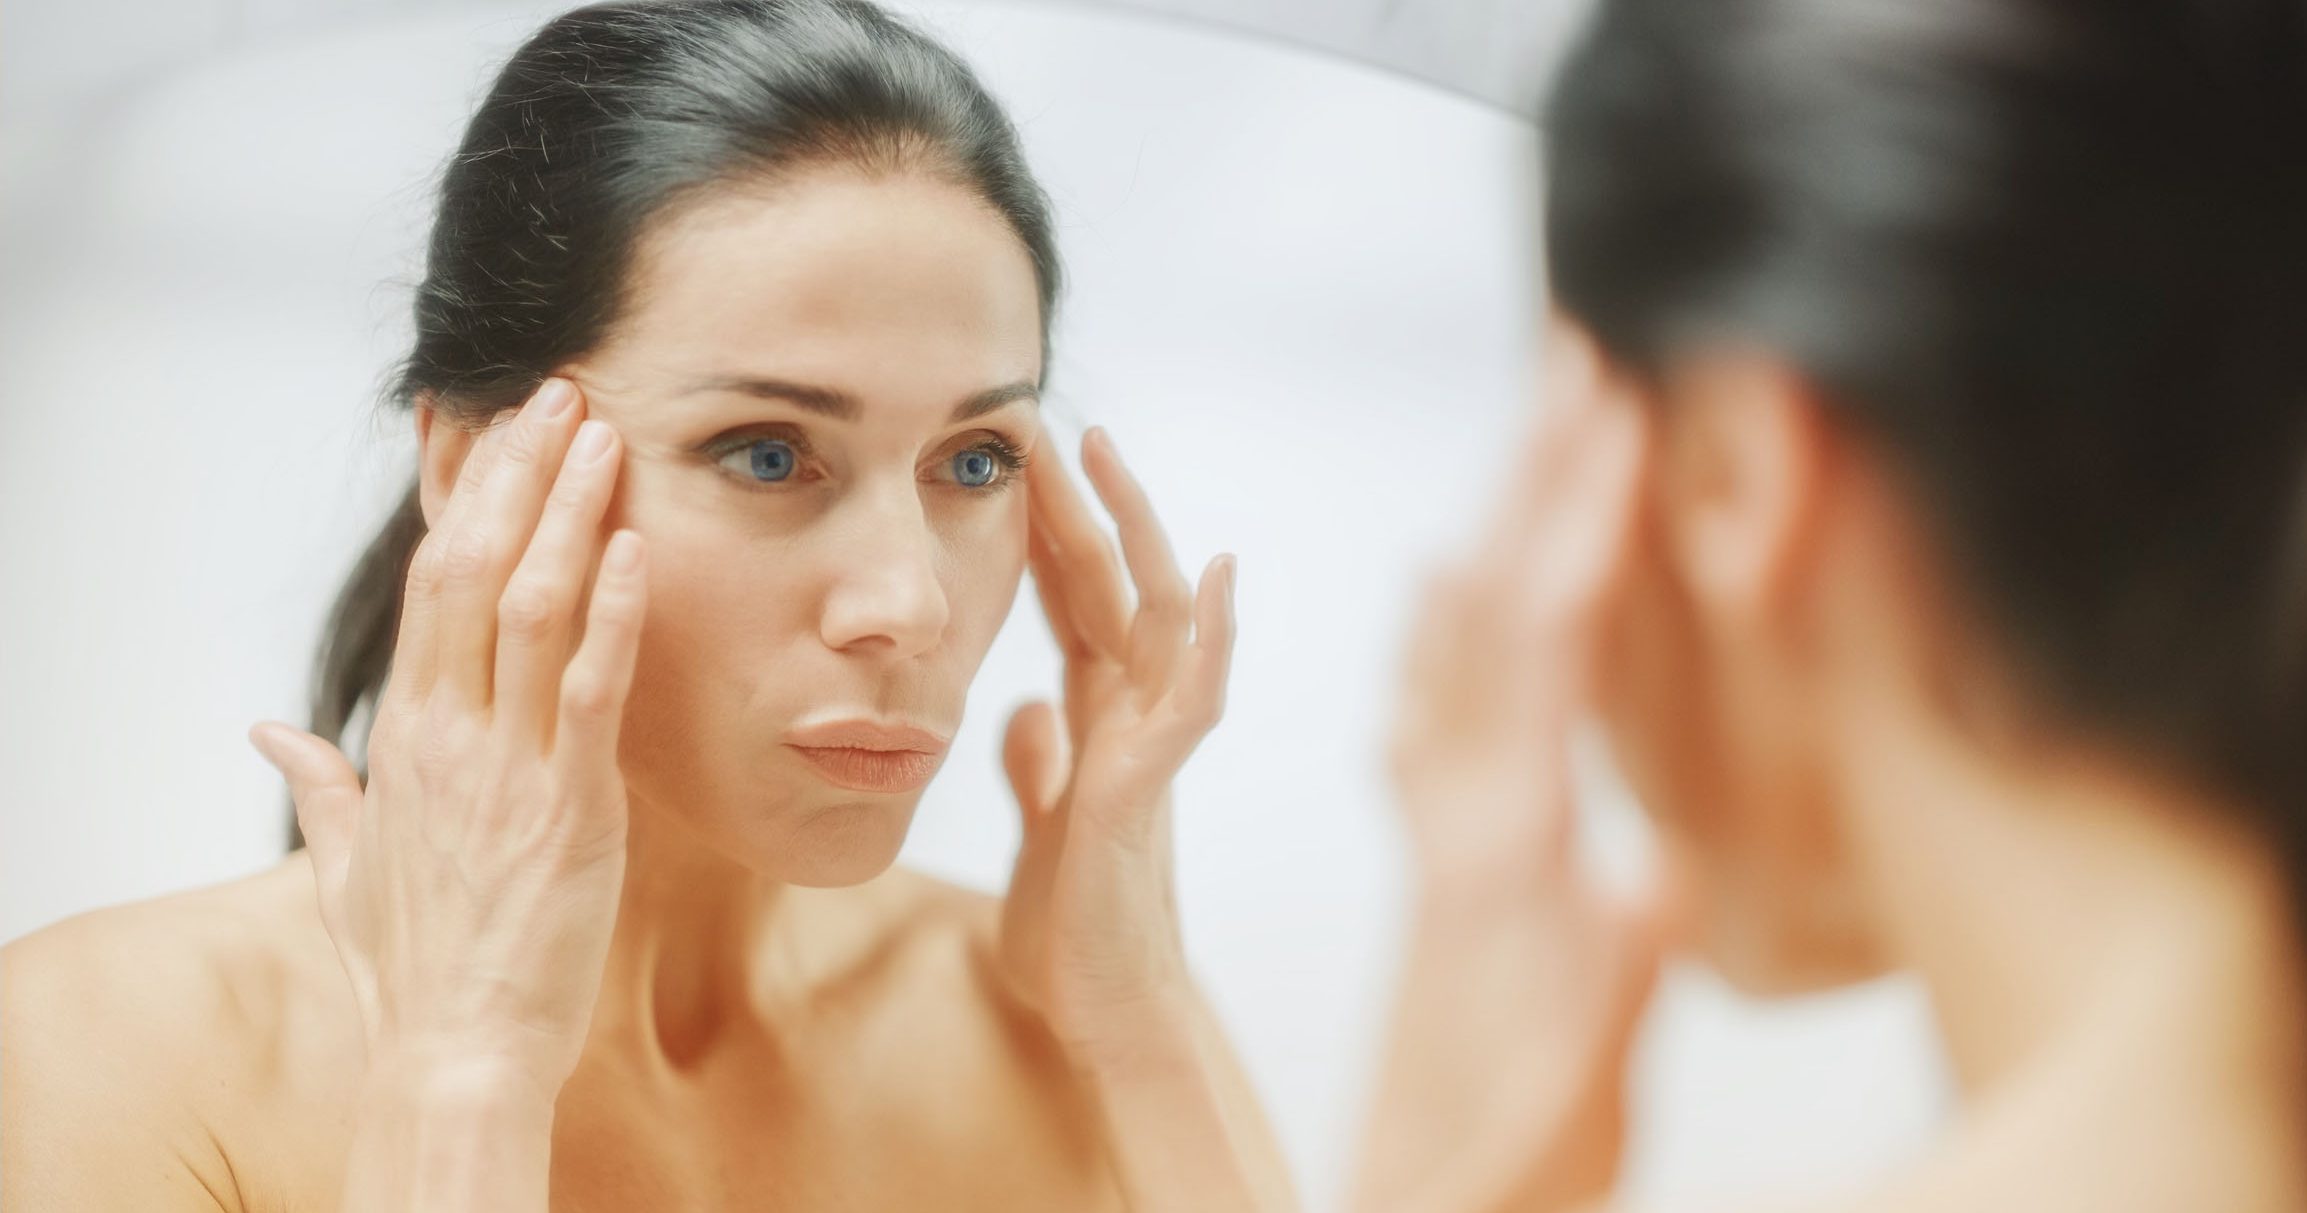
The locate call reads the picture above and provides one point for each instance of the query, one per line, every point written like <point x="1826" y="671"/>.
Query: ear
<point x="1742" y="481"/>
<point x="441" y="450"/>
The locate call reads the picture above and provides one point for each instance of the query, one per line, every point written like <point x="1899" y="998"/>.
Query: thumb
<point x="326" y="789"/>
<point x="1033" y="755"/>
<point x="1644" y="923"/>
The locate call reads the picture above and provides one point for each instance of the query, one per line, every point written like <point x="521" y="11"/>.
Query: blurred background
<point x="1301" y="235"/>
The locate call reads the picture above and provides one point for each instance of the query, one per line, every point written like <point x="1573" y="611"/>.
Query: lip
<point x="869" y="755"/>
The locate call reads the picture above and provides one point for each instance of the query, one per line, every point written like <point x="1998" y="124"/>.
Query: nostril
<point x="902" y="609"/>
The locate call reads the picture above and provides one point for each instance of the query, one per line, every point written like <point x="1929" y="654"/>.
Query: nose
<point x="885" y="598"/>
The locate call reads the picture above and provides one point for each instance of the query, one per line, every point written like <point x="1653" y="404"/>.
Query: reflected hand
<point x="1089" y="930"/>
<point x="470" y="888"/>
<point x="1526" y="980"/>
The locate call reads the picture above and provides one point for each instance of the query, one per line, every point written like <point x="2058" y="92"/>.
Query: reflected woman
<point x="725" y="380"/>
<point x="1923" y="516"/>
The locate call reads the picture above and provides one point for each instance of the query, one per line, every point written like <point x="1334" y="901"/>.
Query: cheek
<point x="1715" y="761"/>
<point x="1652" y="684"/>
<point x="982" y="563"/>
<point x="1657" y="702"/>
<point x="725" y="619"/>
<point x="722" y="579"/>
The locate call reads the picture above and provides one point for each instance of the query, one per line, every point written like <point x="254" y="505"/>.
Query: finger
<point x="1534" y="480"/>
<point x="1669" y="904"/>
<point x="537" y="614"/>
<point x="1157" y="633"/>
<point x="416" y="647"/>
<point x="1201" y="693"/>
<point x="1435" y="623"/>
<point x="1639" y="924"/>
<point x="1571" y="365"/>
<point x="1049" y="577"/>
<point x="1572" y="393"/>
<point x="410" y="664"/>
<point x="484" y="530"/>
<point x="1092" y="571"/>
<point x="327" y="791"/>
<point x="1033" y="756"/>
<point x="600" y="675"/>
<point x="1572" y="566"/>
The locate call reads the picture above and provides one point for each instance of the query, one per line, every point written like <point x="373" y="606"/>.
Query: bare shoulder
<point x="135" y="1038"/>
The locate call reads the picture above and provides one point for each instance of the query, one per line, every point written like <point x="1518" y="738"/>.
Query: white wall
<point x="1301" y="298"/>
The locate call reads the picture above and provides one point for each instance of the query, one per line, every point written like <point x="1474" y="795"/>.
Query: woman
<point x="1924" y="519"/>
<point x="725" y="382"/>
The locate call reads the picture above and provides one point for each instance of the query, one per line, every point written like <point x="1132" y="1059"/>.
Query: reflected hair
<point x="2050" y="258"/>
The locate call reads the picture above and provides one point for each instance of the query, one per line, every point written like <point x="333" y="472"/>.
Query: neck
<point x="2054" y="902"/>
<point x="691" y="951"/>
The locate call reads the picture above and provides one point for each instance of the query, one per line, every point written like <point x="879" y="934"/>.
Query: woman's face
<point x="823" y="388"/>
<point x="1726" y="647"/>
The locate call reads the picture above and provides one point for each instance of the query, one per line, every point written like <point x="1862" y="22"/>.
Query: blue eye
<point x="772" y="459"/>
<point x="975" y="468"/>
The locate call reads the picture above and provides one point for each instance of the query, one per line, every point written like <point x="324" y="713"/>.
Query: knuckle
<point x="517" y="449"/>
<point x="464" y="554"/>
<point x="473" y="471"/>
<point x="425" y="574"/>
<point x="614" y="606"/>
<point x="1201" y="713"/>
<point x="528" y="611"/>
<point x="569" y="495"/>
<point x="383" y="744"/>
<point x="391" y="717"/>
<point x="587" y="697"/>
<point x="434" y="750"/>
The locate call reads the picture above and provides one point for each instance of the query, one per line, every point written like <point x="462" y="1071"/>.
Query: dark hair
<point x="2050" y="256"/>
<point x="602" y="123"/>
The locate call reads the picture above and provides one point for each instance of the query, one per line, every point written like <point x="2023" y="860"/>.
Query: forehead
<point x="899" y="288"/>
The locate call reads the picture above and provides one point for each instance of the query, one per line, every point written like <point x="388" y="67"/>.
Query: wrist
<point x="454" y="1080"/>
<point x="447" y="1132"/>
<point x="1477" y="922"/>
<point x="1149" y="1033"/>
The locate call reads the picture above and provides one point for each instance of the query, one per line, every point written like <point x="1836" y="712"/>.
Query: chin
<point x="1785" y="952"/>
<point x="846" y="842"/>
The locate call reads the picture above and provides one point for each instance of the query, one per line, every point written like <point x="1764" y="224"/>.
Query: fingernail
<point x="592" y="440"/>
<point x="553" y="398"/>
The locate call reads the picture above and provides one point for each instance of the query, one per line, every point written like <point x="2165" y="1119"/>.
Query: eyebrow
<point x="841" y="406"/>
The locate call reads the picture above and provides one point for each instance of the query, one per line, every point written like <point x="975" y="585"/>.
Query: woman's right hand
<point x="1525" y="979"/>
<point x="472" y="886"/>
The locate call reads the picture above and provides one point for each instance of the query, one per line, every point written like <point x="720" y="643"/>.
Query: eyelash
<point x="1007" y="455"/>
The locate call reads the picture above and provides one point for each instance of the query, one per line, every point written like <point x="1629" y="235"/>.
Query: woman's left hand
<point x="1089" y="932"/>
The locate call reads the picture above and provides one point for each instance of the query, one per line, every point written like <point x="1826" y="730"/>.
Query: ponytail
<point x="356" y="646"/>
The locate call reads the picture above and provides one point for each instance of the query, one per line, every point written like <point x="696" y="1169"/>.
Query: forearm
<point x="449" y="1137"/>
<point x="1185" y="1128"/>
<point x="1479" y="1059"/>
